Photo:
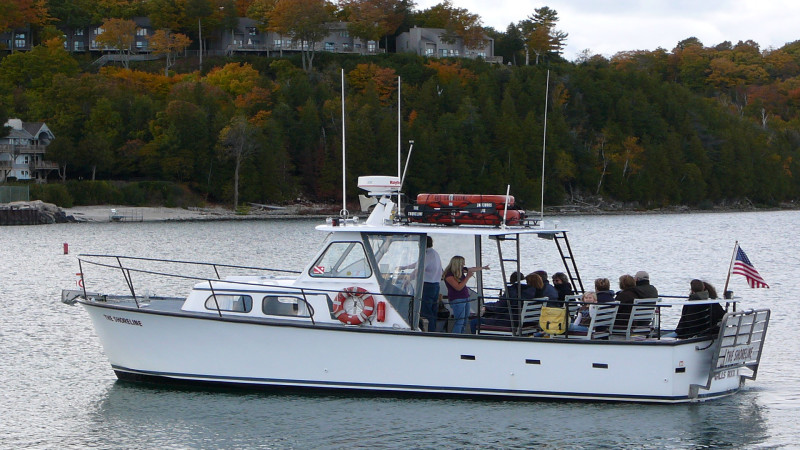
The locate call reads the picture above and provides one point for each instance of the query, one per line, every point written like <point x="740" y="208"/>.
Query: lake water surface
<point x="58" y="389"/>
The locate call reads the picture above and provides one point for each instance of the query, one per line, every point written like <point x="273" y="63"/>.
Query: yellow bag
<point x="553" y="320"/>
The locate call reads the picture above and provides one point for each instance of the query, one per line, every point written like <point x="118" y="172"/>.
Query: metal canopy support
<point x="569" y="260"/>
<point x="504" y="260"/>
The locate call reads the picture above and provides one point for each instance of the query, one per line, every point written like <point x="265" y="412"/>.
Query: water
<point x="59" y="391"/>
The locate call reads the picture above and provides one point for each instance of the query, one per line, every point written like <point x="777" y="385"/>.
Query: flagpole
<point x="730" y="268"/>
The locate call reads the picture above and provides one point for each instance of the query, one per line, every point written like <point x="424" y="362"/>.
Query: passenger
<point x="562" y="285"/>
<point x="499" y="313"/>
<point x="430" y="285"/>
<point x="643" y="285"/>
<point x="583" y="318"/>
<point x="455" y="277"/>
<point x="712" y="293"/>
<point x="604" y="292"/>
<point x="534" y="286"/>
<point x="548" y="290"/>
<point x="627" y="294"/>
<point x="515" y="288"/>
<point x="699" y="320"/>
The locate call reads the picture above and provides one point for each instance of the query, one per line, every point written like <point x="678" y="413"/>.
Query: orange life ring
<point x="361" y="302"/>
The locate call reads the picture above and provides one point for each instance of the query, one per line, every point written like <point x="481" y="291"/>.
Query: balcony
<point x="23" y="149"/>
<point x="44" y="165"/>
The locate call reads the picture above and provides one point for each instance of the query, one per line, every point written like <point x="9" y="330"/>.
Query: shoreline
<point x="119" y="213"/>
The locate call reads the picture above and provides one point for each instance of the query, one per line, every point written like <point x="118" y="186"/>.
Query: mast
<point x="344" y="213"/>
<point x="399" y="151"/>
<point x="544" y="142"/>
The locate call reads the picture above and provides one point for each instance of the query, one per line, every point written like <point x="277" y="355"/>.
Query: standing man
<point x="431" y="278"/>
<point x="644" y="286"/>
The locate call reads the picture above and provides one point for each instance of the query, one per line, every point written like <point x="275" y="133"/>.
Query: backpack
<point x="553" y="320"/>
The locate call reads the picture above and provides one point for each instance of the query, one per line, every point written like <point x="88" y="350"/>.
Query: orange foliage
<point x="144" y="82"/>
<point x="384" y="78"/>
<point x="412" y="117"/>
<point x="451" y="70"/>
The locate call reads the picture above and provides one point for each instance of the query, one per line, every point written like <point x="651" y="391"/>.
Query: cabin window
<point x="274" y="305"/>
<point x="230" y="303"/>
<point x="342" y="260"/>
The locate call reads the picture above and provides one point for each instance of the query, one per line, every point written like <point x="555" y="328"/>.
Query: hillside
<point x="692" y="126"/>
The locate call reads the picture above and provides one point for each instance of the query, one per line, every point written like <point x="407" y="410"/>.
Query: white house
<point x="22" y="151"/>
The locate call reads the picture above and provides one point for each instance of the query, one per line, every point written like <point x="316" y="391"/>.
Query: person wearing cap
<point x="643" y="285"/>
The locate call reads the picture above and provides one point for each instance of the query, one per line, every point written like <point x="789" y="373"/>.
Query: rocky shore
<point x="36" y="212"/>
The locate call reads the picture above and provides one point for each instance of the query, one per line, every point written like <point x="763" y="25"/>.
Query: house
<point x="428" y="42"/>
<point x="16" y="39"/>
<point x="22" y="152"/>
<point x="248" y="38"/>
<point x="85" y="39"/>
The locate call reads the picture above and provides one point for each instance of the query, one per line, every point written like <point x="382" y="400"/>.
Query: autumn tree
<point x="541" y="37"/>
<point x="372" y="19"/>
<point x="305" y="20"/>
<point x="456" y="22"/>
<point x="169" y="44"/>
<point x="237" y="141"/>
<point x="119" y="34"/>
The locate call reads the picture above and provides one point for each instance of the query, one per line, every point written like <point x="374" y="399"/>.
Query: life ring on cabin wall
<point x="353" y="306"/>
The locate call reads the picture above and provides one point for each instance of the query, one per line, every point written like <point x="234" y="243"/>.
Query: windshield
<point x="342" y="260"/>
<point x="396" y="257"/>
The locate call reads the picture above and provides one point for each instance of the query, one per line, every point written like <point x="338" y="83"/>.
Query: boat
<point x="350" y="321"/>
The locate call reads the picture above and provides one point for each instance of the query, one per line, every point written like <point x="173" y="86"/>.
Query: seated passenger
<point x="584" y="316"/>
<point x="604" y="292"/>
<point x="548" y="290"/>
<point x="500" y="313"/>
<point x="534" y="286"/>
<point x="515" y="286"/>
<point x="562" y="285"/>
<point x="643" y="285"/>
<point x="699" y="320"/>
<point x="627" y="294"/>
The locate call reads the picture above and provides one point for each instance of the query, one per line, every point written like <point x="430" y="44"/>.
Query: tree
<point x="119" y="34"/>
<point x="457" y="23"/>
<point x="372" y="19"/>
<point x="237" y="141"/>
<point x="35" y="69"/>
<point x="166" y="14"/>
<point x="199" y="9"/>
<point x="169" y="44"/>
<point x="304" y="20"/>
<point x="234" y="78"/>
<point x="540" y="33"/>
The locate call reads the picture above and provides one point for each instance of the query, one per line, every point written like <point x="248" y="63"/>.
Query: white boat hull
<point x="175" y="347"/>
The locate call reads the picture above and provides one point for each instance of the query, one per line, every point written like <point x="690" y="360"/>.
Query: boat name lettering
<point x="738" y="355"/>
<point x="123" y="320"/>
<point x="726" y="374"/>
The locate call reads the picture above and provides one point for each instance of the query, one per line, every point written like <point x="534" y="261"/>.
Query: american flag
<point x="742" y="266"/>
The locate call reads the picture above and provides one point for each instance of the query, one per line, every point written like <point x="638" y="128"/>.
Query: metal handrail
<point x="126" y="272"/>
<point x="200" y="263"/>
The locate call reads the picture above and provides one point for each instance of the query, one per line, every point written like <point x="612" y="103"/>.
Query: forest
<point x="696" y="125"/>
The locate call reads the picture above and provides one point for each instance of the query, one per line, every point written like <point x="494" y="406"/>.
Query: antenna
<point x="544" y="141"/>
<point x="408" y="159"/>
<point x="344" y="213"/>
